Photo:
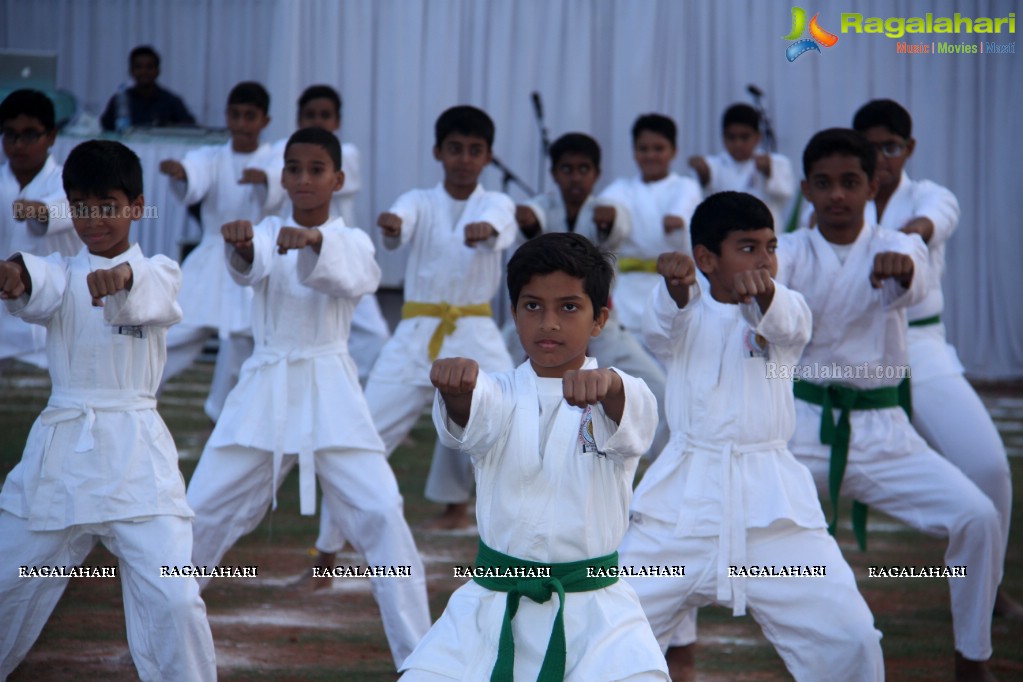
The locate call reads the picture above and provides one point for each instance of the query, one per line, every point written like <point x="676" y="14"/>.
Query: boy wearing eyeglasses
<point x="33" y="208"/>
<point x="946" y="410"/>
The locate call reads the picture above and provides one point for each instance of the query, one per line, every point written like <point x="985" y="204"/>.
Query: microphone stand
<point x="545" y="142"/>
<point x="510" y="177"/>
<point x="770" y="141"/>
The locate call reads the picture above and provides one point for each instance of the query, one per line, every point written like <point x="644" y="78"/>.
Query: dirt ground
<point x="267" y="629"/>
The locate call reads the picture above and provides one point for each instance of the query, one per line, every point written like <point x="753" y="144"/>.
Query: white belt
<point x="279" y="358"/>
<point x="732" y="531"/>
<point x="70" y="404"/>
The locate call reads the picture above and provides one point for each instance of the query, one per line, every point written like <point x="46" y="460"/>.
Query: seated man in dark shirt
<point x="150" y="105"/>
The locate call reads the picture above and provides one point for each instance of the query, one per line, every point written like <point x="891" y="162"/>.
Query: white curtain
<point x="597" y="64"/>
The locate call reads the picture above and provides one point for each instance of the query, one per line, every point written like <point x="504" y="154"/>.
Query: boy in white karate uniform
<point x="946" y="410"/>
<point x="572" y="207"/>
<point x="211" y="301"/>
<point x="99" y="464"/>
<point x="319" y="106"/>
<point x="742" y="169"/>
<point x="555" y="445"/>
<point x="298" y="398"/>
<point x="456" y="233"/>
<point x="726" y="494"/>
<point x="34" y="215"/>
<point x="851" y="432"/>
<point x="659" y="202"/>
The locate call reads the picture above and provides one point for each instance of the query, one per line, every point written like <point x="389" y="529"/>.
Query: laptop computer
<point x="28" y="69"/>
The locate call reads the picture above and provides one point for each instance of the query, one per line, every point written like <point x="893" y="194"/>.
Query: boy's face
<point x="893" y="151"/>
<point x="575" y="175"/>
<point x="463" y="157"/>
<point x="26" y="143"/>
<point x="103" y="222"/>
<point x="319" y="113"/>
<point x="144" y="70"/>
<point x="246" y="122"/>
<point x="740" y="141"/>
<point x="654" y="154"/>
<point x="309" y="176"/>
<point x="839" y="189"/>
<point x="741" y="251"/>
<point x="554" y="319"/>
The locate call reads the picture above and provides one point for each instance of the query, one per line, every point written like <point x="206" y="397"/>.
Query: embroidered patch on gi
<point x="587" y="441"/>
<point x="756" y="345"/>
<point x="132" y="330"/>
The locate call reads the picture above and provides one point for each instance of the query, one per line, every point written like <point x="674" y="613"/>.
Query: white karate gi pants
<point x="168" y="634"/>
<point x="820" y="626"/>
<point x="231" y="491"/>
<point x="927" y="493"/>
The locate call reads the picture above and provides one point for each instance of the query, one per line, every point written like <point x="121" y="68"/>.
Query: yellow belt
<point x="637" y="265"/>
<point x="448" y="315"/>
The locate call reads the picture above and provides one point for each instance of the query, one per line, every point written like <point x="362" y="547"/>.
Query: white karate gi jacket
<point x="560" y="499"/>
<point x="99" y="451"/>
<point x="300" y="377"/>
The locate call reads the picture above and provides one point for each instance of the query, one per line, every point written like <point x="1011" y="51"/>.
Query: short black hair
<point x="575" y="143"/>
<point x="320" y="92"/>
<point x="466" y="120"/>
<point x="567" y="252"/>
<point x="321" y="138"/>
<point x="841" y="141"/>
<point x="726" y="212"/>
<point x="886" y="113"/>
<point x="97" y="167"/>
<point x="31" y="103"/>
<point x="250" y="92"/>
<point x="656" y="123"/>
<point x="144" y="51"/>
<point x="741" y="114"/>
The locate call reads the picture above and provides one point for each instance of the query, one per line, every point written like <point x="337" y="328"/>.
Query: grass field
<point x="266" y="630"/>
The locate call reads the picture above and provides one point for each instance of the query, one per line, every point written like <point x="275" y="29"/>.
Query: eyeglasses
<point x="28" y="137"/>
<point x="890" y="150"/>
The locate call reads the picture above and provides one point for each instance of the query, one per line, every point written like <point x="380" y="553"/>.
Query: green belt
<point x="569" y="577"/>
<point x="845" y="399"/>
<point x="926" y="321"/>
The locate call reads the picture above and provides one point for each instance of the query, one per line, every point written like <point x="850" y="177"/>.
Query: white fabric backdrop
<point x="597" y="64"/>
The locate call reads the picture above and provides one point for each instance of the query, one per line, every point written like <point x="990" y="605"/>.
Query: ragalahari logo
<point x="818" y="36"/>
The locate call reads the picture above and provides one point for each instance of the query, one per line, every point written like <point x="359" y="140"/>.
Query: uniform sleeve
<point x="58" y="214"/>
<point x="407" y="207"/>
<point x="788" y="249"/>
<point x="49" y="281"/>
<point x="499" y="211"/>
<point x="345" y="266"/>
<point x="633" y="436"/>
<point x="200" y="168"/>
<point x="938" y="204"/>
<point x="351" y="165"/>
<point x="781" y="185"/>
<point x="664" y="323"/>
<point x="153" y="297"/>
<point x="787" y="322"/>
<point x="489" y="418"/>
<point x="683" y="205"/>
<point x="263" y="248"/>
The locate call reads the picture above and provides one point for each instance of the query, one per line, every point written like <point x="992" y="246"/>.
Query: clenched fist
<point x="454" y="376"/>
<point x="478" y="232"/>
<point x="754" y="284"/>
<point x="173" y="169"/>
<point x="103" y="283"/>
<point x="13" y="278"/>
<point x="298" y="238"/>
<point x="389" y="224"/>
<point x="892" y="265"/>
<point x="604" y="217"/>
